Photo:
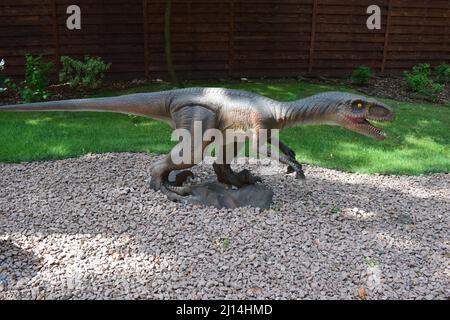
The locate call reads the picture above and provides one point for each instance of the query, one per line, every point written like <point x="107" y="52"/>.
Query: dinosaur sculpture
<point x="223" y="109"/>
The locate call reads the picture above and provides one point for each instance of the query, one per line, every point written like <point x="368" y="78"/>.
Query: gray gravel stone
<point x="90" y="228"/>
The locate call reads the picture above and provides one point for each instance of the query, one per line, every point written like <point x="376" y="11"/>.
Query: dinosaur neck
<point x="309" y="110"/>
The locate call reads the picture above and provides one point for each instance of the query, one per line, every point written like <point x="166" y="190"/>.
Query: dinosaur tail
<point x="145" y="104"/>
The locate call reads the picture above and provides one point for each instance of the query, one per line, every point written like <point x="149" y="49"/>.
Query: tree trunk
<point x="168" y="42"/>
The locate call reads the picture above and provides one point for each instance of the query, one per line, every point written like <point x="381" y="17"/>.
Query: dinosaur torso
<point x="234" y="109"/>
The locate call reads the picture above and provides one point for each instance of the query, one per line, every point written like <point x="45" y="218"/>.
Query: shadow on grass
<point x="44" y="136"/>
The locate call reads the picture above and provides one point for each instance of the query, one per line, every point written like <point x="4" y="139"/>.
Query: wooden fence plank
<point x="313" y="35"/>
<point x="231" y="38"/>
<point x="146" y="46"/>
<point x="56" y="36"/>
<point x="386" y="37"/>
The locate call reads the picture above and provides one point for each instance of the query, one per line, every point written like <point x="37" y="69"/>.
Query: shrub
<point x="37" y="78"/>
<point x="87" y="74"/>
<point x="442" y="73"/>
<point x="420" y="82"/>
<point x="5" y="82"/>
<point x="9" y="85"/>
<point x="361" y="75"/>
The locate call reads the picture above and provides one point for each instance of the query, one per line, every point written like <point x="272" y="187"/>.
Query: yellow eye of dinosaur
<point x="359" y="105"/>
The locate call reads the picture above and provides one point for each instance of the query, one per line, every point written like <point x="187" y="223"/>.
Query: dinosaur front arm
<point x="286" y="156"/>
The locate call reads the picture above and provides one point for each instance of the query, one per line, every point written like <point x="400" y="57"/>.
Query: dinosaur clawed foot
<point x="177" y="178"/>
<point x="238" y="179"/>
<point x="299" y="174"/>
<point x="173" y="193"/>
<point x="176" y="194"/>
<point x="245" y="177"/>
<point x="176" y="191"/>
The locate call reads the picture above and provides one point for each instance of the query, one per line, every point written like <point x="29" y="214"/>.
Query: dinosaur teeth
<point x="374" y="129"/>
<point x="365" y="125"/>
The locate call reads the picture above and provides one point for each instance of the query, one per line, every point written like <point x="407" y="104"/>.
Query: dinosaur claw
<point x="172" y="196"/>
<point x="181" y="191"/>
<point x="173" y="193"/>
<point x="300" y="175"/>
<point x="290" y="169"/>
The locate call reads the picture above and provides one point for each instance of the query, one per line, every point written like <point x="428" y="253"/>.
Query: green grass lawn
<point x="418" y="141"/>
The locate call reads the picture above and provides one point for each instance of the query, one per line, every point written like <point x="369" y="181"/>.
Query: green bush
<point x="361" y="75"/>
<point x="87" y="74"/>
<point x="9" y="85"/>
<point x="37" y="78"/>
<point x="5" y="83"/>
<point x="442" y="73"/>
<point x="420" y="82"/>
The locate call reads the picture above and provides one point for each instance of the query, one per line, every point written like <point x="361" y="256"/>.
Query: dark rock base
<point x="220" y="195"/>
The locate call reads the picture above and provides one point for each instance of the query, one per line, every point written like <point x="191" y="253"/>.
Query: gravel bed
<point x="90" y="228"/>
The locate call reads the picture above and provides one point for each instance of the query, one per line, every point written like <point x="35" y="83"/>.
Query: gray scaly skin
<point x="223" y="109"/>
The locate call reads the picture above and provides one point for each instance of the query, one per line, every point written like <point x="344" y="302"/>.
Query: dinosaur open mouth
<point x="363" y="126"/>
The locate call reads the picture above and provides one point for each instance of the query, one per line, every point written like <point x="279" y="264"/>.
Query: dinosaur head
<point x="354" y="113"/>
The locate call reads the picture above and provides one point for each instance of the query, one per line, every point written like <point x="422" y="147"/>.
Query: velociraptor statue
<point x="218" y="108"/>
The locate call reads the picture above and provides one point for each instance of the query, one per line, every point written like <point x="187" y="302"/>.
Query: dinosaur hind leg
<point x="226" y="175"/>
<point x="289" y="159"/>
<point x="160" y="174"/>
<point x="186" y="118"/>
<point x="286" y="156"/>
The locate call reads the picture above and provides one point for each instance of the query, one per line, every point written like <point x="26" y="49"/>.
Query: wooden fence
<point x="230" y="38"/>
